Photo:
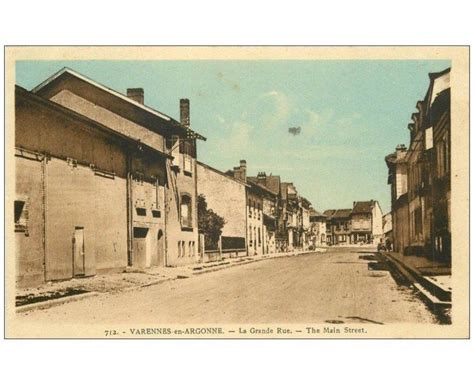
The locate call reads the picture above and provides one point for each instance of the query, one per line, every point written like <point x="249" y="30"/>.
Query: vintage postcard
<point x="237" y="192"/>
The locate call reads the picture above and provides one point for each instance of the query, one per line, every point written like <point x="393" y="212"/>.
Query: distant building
<point x="270" y="202"/>
<point x="318" y="229"/>
<point x="338" y="226"/>
<point x="273" y="183"/>
<point x="360" y="225"/>
<point x="366" y="222"/>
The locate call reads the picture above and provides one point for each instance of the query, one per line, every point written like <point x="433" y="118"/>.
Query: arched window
<point x="186" y="211"/>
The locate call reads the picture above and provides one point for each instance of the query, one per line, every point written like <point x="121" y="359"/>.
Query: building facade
<point x="227" y="197"/>
<point x="114" y="181"/>
<point x="317" y="229"/>
<point x="366" y="222"/>
<point x="338" y="226"/>
<point x="424" y="228"/>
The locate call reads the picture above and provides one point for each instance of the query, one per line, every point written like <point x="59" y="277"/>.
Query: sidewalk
<point x="55" y="293"/>
<point x="431" y="278"/>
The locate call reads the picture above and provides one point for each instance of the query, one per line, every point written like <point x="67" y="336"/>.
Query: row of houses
<point x="104" y="182"/>
<point x="419" y="177"/>
<point x="362" y="224"/>
<point x="262" y="214"/>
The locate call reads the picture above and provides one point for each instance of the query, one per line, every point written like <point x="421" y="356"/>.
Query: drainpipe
<point x="165" y="228"/>
<point x="44" y="204"/>
<point x="129" y="210"/>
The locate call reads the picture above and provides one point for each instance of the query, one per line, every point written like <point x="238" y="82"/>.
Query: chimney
<point x="401" y="147"/>
<point x="136" y="94"/>
<point x="236" y="172"/>
<point x="400" y="150"/>
<point x="262" y="178"/>
<point x="184" y="112"/>
<point x="243" y="170"/>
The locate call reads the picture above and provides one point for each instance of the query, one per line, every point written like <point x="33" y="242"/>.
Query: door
<point x="140" y="258"/>
<point x="160" y="247"/>
<point x="78" y="252"/>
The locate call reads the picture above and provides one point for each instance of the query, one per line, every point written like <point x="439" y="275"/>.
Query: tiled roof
<point x="363" y="207"/>
<point x="342" y="213"/>
<point x="329" y="213"/>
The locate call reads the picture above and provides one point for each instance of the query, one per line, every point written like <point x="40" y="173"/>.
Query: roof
<point x="222" y="173"/>
<point x="342" y="213"/>
<point x="329" y="213"/>
<point x="65" y="73"/>
<point x="271" y="182"/>
<point x="254" y="181"/>
<point x="364" y="207"/>
<point x="20" y="91"/>
<point x="257" y="186"/>
<point x="315" y="215"/>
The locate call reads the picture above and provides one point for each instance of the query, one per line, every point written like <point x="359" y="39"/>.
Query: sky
<point x="345" y="116"/>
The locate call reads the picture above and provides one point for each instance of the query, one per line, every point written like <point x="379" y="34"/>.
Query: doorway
<point x="79" y="258"/>
<point x="160" y="259"/>
<point x="140" y="253"/>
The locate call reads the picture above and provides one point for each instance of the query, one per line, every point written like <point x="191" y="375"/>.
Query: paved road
<point x="312" y="288"/>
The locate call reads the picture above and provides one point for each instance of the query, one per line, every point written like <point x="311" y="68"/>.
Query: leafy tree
<point x="209" y="223"/>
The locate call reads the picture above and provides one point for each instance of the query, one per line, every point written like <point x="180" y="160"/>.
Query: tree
<point x="209" y="223"/>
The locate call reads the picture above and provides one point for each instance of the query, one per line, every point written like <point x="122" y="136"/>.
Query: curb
<point x="55" y="302"/>
<point x="431" y="291"/>
<point x="248" y="260"/>
<point x="228" y="265"/>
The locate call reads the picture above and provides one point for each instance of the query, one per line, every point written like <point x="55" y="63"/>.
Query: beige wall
<point x="180" y="183"/>
<point x="29" y="245"/>
<point x="226" y="197"/>
<point x="75" y="195"/>
<point x="108" y="118"/>
<point x="377" y="221"/>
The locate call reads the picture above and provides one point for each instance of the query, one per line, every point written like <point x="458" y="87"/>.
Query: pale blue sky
<point x="351" y="114"/>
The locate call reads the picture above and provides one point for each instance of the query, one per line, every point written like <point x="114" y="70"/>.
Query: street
<point x="331" y="287"/>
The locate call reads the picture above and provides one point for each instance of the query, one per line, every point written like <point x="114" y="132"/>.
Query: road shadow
<point x="371" y="257"/>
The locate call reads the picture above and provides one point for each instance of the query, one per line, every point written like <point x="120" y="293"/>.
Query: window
<point x="186" y="211"/>
<point x="173" y="146"/>
<point x="418" y="224"/>
<point x="21" y="217"/>
<point x="181" y="249"/>
<point x="259" y="237"/>
<point x="188" y="153"/>
<point x="250" y="236"/>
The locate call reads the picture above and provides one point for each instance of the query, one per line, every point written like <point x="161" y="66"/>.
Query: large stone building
<point x="102" y="181"/>
<point x="420" y="177"/>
